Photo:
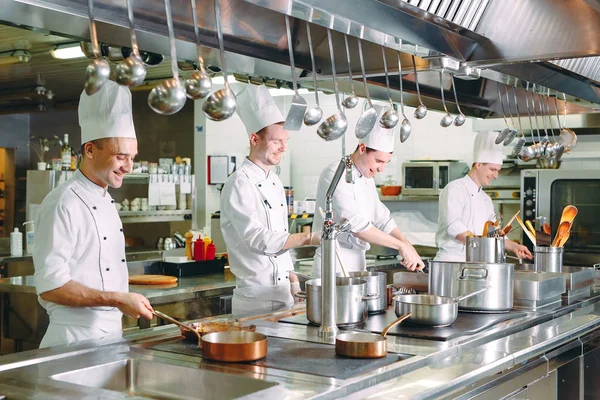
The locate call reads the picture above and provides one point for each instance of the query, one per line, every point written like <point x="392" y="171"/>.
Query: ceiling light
<point x="67" y="51"/>
<point x="218" y="80"/>
<point x="14" y="57"/>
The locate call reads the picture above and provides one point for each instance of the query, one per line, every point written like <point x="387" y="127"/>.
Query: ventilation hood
<point x="552" y="43"/>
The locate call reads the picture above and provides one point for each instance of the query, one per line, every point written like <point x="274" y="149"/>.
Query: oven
<point x="544" y="194"/>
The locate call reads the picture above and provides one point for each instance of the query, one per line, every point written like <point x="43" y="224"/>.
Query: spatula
<point x="525" y="230"/>
<point x="293" y="121"/>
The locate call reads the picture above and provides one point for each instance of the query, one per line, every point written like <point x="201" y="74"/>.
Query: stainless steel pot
<point x="351" y="295"/>
<point x="453" y="279"/>
<point x="430" y="310"/>
<point x="548" y="259"/>
<point x="376" y="283"/>
<point x="485" y="249"/>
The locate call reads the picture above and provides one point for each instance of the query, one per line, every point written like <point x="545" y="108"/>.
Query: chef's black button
<point x="94" y="207"/>
<point x="278" y="279"/>
<point x="112" y="201"/>
<point x="287" y="277"/>
<point x="275" y="256"/>
<point x="122" y="260"/>
<point x="108" y="269"/>
<point x="121" y="229"/>
<point x="282" y="205"/>
<point x="104" y="237"/>
<point x="273" y="183"/>
<point x="259" y="185"/>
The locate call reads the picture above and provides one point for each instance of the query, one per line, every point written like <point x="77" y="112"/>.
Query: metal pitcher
<point x="486" y="249"/>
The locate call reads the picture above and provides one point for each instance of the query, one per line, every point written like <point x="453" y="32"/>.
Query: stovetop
<point x="466" y="324"/>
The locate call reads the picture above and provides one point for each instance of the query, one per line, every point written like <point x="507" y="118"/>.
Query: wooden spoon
<point x="506" y="229"/>
<point x="546" y="228"/>
<point x="569" y="213"/>
<point x="564" y="239"/>
<point x="531" y="228"/>
<point x="563" y="229"/>
<point x="486" y="227"/>
<point x="532" y="238"/>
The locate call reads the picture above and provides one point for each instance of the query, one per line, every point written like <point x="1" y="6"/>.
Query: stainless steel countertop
<point x="436" y="368"/>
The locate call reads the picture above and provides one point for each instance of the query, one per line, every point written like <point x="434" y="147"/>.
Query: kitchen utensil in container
<point x="365" y="345"/>
<point x="390" y="117"/>
<point x="221" y="104"/>
<point x="569" y="213"/>
<point x="98" y="70"/>
<point x="351" y="300"/>
<point x="562" y="230"/>
<point x="368" y="118"/>
<point x="405" y="125"/>
<point x="456" y="278"/>
<point x="421" y="110"/>
<point x="485" y="249"/>
<point x="548" y="259"/>
<point x="314" y="114"/>
<point x="529" y="226"/>
<point x="430" y="310"/>
<point x="339" y="258"/>
<point x="169" y="96"/>
<point x="351" y="100"/>
<point x="293" y="121"/>
<point x="376" y="283"/>
<point x="529" y="235"/>
<point x="546" y="228"/>
<point x="197" y="85"/>
<point x="335" y="126"/>
<point x="131" y="71"/>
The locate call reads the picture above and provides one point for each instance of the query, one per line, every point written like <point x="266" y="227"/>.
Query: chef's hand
<point x="135" y="305"/>
<point x="522" y="252"/>
<point x="411" y="259"/>
<point x="295" y="288"/>
<point x="315" y="239"/>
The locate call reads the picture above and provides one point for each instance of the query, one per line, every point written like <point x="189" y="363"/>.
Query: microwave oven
<point x="544" y="194"/>
<point x="428" y="178"/>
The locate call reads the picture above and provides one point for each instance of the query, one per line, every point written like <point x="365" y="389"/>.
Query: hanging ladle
<point x="529" y="152"/>
<point x="169" y="97"/>
<point x="335" y="126"/>
<point x="390" y="117"/>
<point x="367" y="120"/>
<point x="513" y="132"/>
<point x="197" y="85"/>
<point x="447" y="119"/>
<point x="567" y="136"/>
<point x="502" y="135"/>
<point x="421" y="110"/>
<point x="98" y="71"/>
<point x="521" y="141"/>
<point x="405" y="126"/>
<point x="351" y="100"/>
<point x="460" y="118"/>
<point x="221" y="104"/>
<point x="131" y="71"/>
<point x="314" y="114"/>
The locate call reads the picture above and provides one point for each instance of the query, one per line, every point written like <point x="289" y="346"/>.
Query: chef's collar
<point x="472" y="187"/>
<point x="88" y="184"/>
<point x="254" y="172"/>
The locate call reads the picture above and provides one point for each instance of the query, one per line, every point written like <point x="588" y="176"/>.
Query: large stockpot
<point x="351" y="300"/>
<point x="376" y="283"/>
<point x="453" y="279"/>
<point x="486" y="249"/>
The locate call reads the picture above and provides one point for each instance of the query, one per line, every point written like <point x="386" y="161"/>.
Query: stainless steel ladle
<point x="447" y="119"/>
<point x="390" y="117"/>
<point x="368" y="119"/>
<point x="460" y="118"/>
<point x="169" y="97"/>
<point x="502" y="135"/>
<point x="405" y="125"/>
<point x="521" y="141"/>
<point x="513" y="132"/>
<point x="97" y="71"/>
<point x="197" y="85"/>
<point x="131" y="71"/>
<point x="352" y="99"/>
<point x="314" y="114"/>
<point x="421" y="110"/>
<point x="529" y="152"/>
<point x="221" y="104"/>
<point x="335" y="126"/>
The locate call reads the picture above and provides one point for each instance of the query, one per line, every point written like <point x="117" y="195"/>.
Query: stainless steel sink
<point x="163" y="381"/>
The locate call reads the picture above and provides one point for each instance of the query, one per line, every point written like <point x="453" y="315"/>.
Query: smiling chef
<point x="80" y="270"/>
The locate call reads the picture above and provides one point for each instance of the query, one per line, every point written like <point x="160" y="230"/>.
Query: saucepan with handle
<point x="430" y="310"/>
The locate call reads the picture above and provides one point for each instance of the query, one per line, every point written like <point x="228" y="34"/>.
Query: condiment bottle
<point x="188" y="245"/>
<point x="211" y="251"/>
<point x="199" y="250"/>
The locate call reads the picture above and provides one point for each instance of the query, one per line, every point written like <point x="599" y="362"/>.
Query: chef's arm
<point x="373" y="235"/>
<point x="74" y="294"/>
<point x="519" y="250"/>
<point x="296" y="240"/>
<point x="462" y="237"/>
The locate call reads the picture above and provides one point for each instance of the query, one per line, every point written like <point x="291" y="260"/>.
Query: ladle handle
<point x="221" y="44"/>
<point x="174" y="321"/>
<point x="197" y="35"/>
<point x="174" y="69"/>
<point x="502" y="105"/>
<point x="349" y="65"/>
<point x="466" y="296"/>
<point x="134" y="45"/>
<point x="442" y="91"/>
<point x="291" y="50"/>
<point x="400" y="79"/>
<point x="364" y="76"/>
<point x="335" y="85"/>
<point x="455" y="96"/>
<point x="312" y="60"/>
<point x="517" y="108"/>
<point x="387" y="79"/>
<point x="385" y="330"/>
<point x="93" y="34"/>
<point x="529" y="113"/>
<point x="416" y="80"/>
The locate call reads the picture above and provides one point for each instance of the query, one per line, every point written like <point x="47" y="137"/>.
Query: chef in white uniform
<point x="369" y="218"/>
<point x="80" y="271"/>
<point x="464" y="207"/>
<point x="254" y="218"/>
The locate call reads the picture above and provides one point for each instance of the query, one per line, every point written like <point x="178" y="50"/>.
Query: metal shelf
<point x="155" y="216"/>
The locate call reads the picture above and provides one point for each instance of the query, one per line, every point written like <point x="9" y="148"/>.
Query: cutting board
<point x="152" y="279"/>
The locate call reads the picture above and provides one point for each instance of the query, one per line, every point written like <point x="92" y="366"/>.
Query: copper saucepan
<point x="365" y="345"/>
<point x="231" y="346"/>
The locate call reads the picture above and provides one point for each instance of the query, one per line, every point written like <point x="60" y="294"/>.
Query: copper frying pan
<point x="231" y="346"/>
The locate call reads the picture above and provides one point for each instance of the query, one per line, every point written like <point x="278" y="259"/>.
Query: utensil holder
<point x="548" y="259"/>
<point x="486" y="250"/>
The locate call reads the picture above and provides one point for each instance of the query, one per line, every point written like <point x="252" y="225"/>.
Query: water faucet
<point x="331" y="230"/>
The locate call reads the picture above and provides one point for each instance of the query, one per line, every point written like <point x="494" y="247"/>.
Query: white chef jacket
<point x="80" y="239"/>
<point x="463" y="206"/>
<point x="360" y="204"/>
<point x="254" y="224"/>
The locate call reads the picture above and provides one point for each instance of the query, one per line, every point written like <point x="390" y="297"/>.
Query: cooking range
<point x="466" y="323"/>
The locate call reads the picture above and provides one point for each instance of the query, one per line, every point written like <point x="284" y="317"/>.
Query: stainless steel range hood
<point x="501" y="40"/>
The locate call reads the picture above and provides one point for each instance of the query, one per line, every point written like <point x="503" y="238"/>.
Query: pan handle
<point x="393" y="324"/>
<point x="371" y="296"/>
<point x="476" y="276"/>
<point x="466" y="296"/>
<point x="300" y="295"/>
<point x="174" y="321"/>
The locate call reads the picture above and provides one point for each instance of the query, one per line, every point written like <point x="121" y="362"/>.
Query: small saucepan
<point x="364" y="345"/>
<point x="430" y="310"/>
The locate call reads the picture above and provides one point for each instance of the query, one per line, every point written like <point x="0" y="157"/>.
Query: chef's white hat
<point x="106" y="114"/>
<point x="379" y="138"/>
<point x="486" y="150"/>
<point x="256" y="108"/>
